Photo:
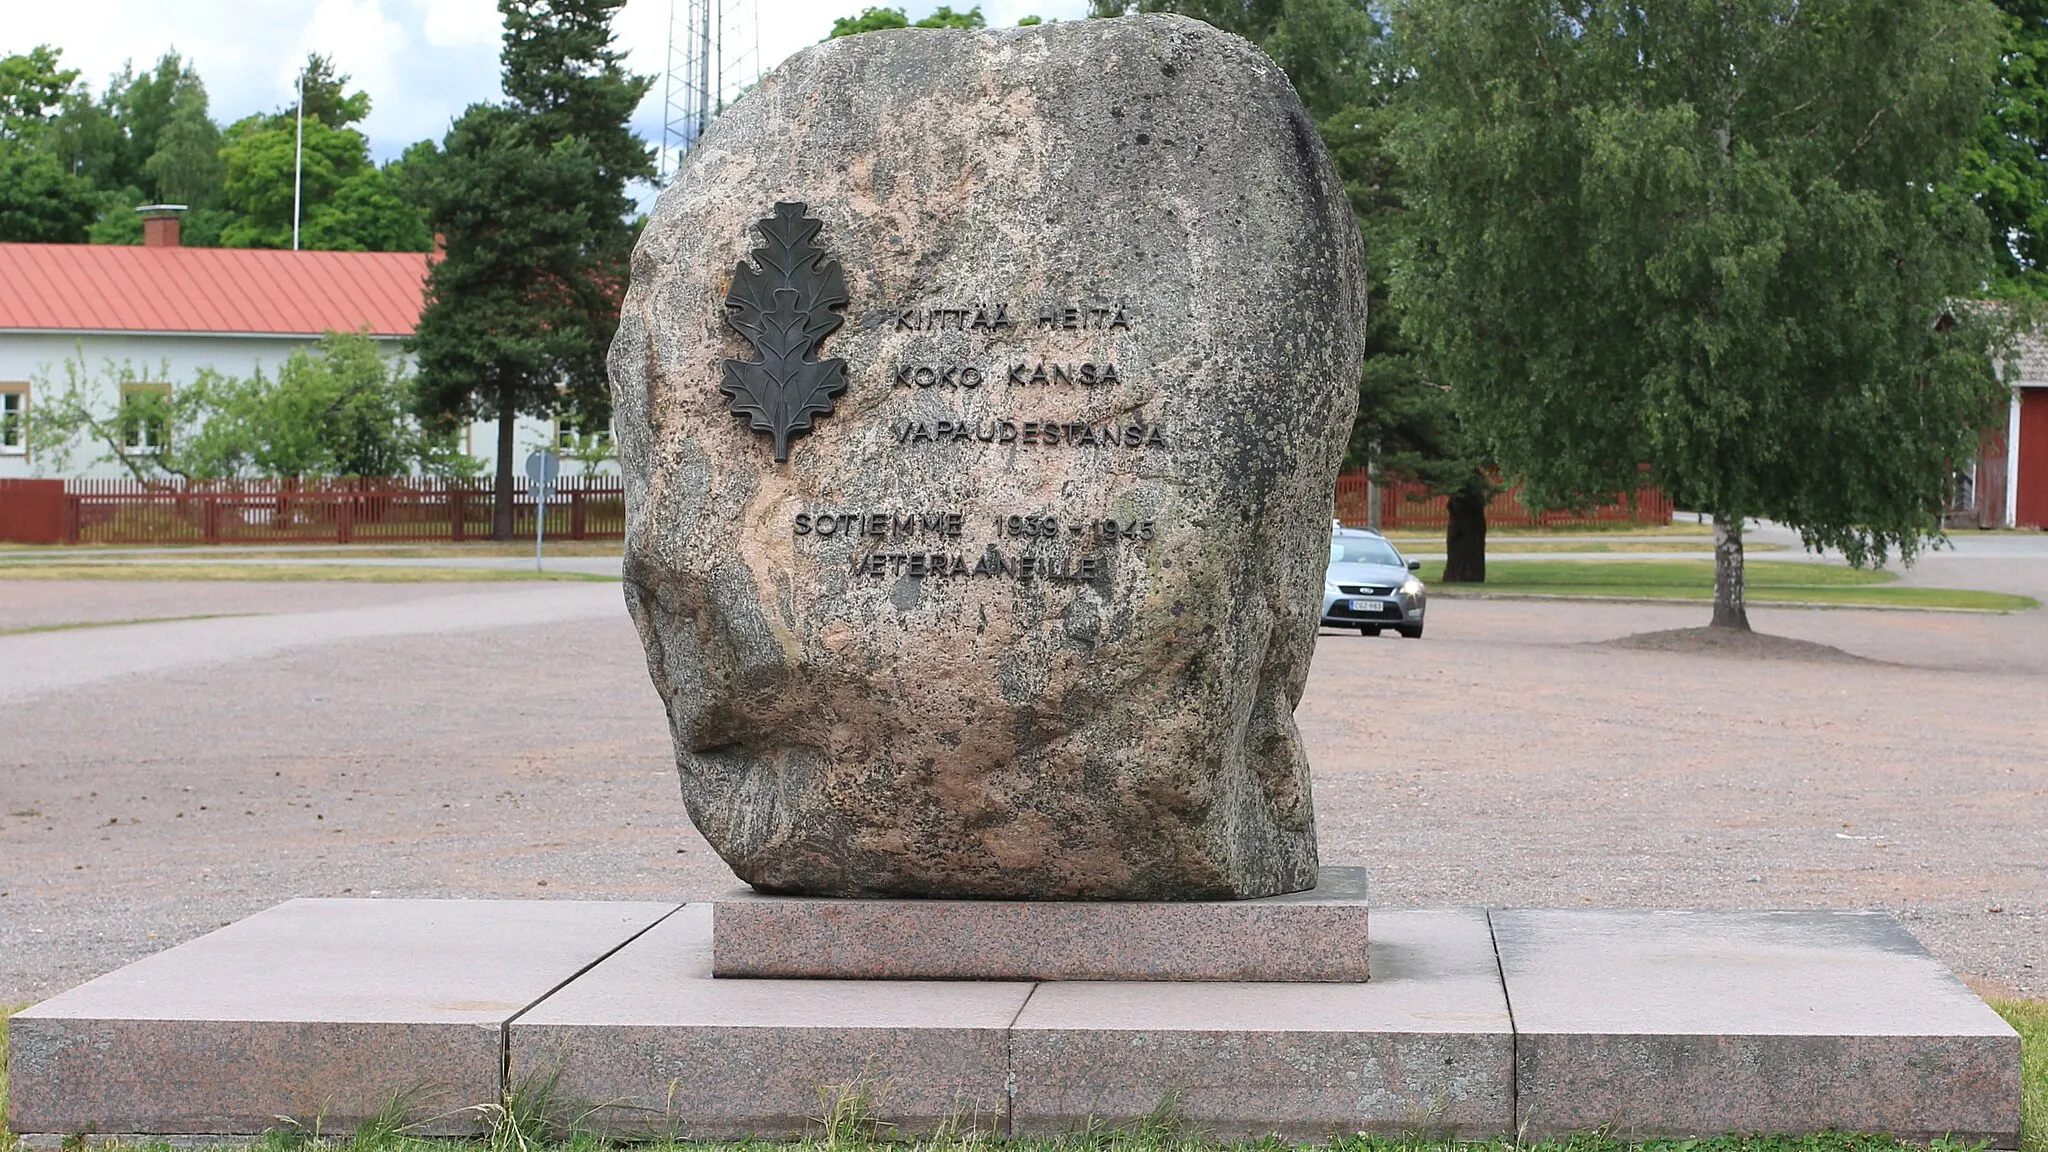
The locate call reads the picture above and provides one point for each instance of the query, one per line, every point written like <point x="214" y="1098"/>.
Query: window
<point x="1364" y="550"/>
<point x="1963" y="489"/>
<point x="146" y="417"/>
<point x="13" y="419"/>
<point x="570" y="442"/>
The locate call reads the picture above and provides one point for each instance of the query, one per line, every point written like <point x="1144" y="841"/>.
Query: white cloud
<point x="459" y="23"/>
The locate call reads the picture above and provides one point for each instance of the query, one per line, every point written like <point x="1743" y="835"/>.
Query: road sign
<point x="541" y="469"/>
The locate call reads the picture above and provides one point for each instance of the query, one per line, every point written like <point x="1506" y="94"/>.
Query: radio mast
<point x="714" y="54"/>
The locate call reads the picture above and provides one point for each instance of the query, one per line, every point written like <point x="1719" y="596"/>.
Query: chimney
<point x="160" y="225"/>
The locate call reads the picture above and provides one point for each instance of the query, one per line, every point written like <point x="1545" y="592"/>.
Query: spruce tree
<point x="530" y="198"/>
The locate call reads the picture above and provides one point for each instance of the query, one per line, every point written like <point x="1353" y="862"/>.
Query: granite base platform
<point x="1315" y="936"/>
<point x="1473" y="1023"/>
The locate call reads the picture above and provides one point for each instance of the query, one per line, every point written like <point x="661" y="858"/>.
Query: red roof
<point x="127" y="288"/>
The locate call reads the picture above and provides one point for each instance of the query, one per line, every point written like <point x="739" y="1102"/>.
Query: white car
<point x="1370" y="585"/>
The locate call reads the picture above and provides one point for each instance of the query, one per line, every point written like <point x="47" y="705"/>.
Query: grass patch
<point x="7" y="1139"/>
<point x="356" y="573"/>
<point x="1766" y="580"/>
<point x="2030" y="1019"/>
<point x="1143" y="1137"/>
<point x="75" y="625"/>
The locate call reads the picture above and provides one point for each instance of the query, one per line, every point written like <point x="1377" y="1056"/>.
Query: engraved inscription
<point x="1044" y="433"/>
<point x="947" y="527"/>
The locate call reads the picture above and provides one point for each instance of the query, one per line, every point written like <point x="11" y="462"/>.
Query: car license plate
<point x="1365" y="606"/>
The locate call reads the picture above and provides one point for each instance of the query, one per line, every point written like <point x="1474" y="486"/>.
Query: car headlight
<point x="1411" y="587"/>
<point x="1329" y="588"/>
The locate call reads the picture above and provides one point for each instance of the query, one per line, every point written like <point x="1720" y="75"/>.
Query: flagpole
<point x="299" y="161"/>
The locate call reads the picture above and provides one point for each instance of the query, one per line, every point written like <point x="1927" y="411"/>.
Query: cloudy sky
<point x="422" y="61"/>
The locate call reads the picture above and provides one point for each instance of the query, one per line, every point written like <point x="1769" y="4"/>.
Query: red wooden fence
<point x="31" y="511"/>
<point x="377" y="511"/>
<point x="1405" y="505"/>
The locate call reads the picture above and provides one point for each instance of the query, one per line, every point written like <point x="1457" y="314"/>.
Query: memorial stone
<point x="980" y="396"/>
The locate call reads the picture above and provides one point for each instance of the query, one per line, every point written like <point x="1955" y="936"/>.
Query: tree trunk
<point x="501" y="497"/>
<point x="1730" y="609"/>
<point x="1465" y="538"/>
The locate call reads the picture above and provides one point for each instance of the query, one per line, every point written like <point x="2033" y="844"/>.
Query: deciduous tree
<point x="40" y="201"/>
<point x="337" y="409"/>
<point x="882" y="19"/>
<point x="345" y="201"/>
<point x="1706" y="236"/>
<point x="2004" y="166"/>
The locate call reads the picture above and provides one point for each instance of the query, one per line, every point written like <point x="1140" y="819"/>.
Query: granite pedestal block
<point x="1318" y="935"/>
<point x="323" y="1011"/>
<point x="664" y="1049"/>
<point x="1684" y="1023"/>
<point x="1426" y="1046"/>
<point x="1647" y="1023"/>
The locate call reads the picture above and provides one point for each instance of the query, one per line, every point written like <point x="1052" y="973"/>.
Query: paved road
<point x="157" y="781"/>
<point x="45" y="662"/>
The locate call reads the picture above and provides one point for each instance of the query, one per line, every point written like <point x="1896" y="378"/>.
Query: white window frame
<point x="145" y="435"/>
<point x="565" y="432"/>
<point x="14" y="420"/>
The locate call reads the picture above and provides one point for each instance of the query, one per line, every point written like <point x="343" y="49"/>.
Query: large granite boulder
<point x="980" y="396"/>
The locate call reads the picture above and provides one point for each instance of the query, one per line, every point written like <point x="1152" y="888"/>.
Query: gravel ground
<point x="503" y="741"/>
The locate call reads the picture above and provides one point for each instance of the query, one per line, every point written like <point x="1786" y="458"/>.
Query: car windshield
<point x="1363" y="550"/>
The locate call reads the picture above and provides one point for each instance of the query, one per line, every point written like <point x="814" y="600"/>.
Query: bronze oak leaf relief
<point x="785" y="308"/>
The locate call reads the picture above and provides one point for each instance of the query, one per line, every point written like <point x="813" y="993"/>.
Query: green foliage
<point x="1340" y="56"/>
<point x="147" y="140"/>
<point x="2004" y="165"/>
<point x="39" y="201"/>
<point x="944" y="17"/>
<point x="530" y="195"/>
<point x="517" y="305"/>
<point x="338" y="409"/>
<point x="869" y="20"/>
<point x="347" y="203"/>
<point x="565" y="77"/>
<point x="185" y="165"/>
<point x="151" y="140"/>
<point x="32" y="86"/>
<point x="115" y="415"/>
<point x="1705" y="235"/>
<point x="260" y="155"/>
<point x="882" y="19"/>
<point x="2030" y="1019"/>
<point x="1782" y="581"/>
<point x="1030" y="21"/>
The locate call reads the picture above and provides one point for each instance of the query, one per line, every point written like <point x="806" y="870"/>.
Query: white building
<point x="169" y="311"/>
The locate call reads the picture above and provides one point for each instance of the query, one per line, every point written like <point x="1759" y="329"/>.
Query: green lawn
<point x="529" y="1125"/>
<point x="2030" y="1019"/>
<point x="1766" y="580"/>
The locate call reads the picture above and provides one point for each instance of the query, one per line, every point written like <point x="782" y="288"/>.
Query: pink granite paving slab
<point x="651" y="1044"/>
<point x="1699" y="1023"/>
<point x="1425" y="1046"/>
<point x="1318" y="935"/>
<point x="322" y="1011"/>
